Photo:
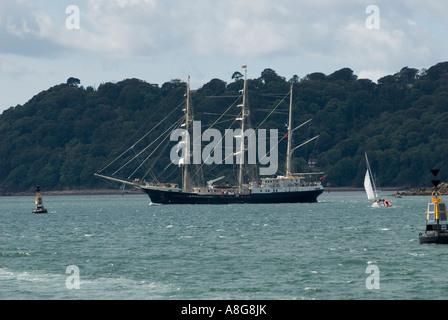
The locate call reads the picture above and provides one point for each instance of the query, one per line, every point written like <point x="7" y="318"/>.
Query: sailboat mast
<point x="187" y="129"/>
<point x="242" y="144"/>
<point x="289" y="136"/>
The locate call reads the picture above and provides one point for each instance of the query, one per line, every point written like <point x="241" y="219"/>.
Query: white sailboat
<point x="371" y="190"/>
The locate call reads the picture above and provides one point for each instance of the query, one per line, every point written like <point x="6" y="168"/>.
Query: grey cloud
<point x="20" y="32"/>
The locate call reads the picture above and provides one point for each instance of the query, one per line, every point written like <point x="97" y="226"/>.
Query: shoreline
<point x="92" y="192"/>
<point x="82" y="192"/>
<point x="396" y="191"/>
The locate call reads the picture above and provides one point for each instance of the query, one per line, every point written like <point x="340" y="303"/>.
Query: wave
<point x="39" y="284"/>
<point x="15" y="254"/>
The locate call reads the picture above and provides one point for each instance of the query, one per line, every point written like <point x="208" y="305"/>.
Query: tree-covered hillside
<point x="63" y="135"/>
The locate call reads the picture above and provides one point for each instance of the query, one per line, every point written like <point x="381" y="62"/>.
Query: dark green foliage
<point x="63" y="135"/>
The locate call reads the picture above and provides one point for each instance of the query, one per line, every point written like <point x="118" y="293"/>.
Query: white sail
<point x="368" y="187"/>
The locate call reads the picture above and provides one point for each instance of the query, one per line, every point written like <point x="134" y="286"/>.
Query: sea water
<point x="124" y="247"/>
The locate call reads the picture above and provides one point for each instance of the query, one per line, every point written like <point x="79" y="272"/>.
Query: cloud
<point x="158" y="40"/>
<point x="147" y="29"/>
<point x="20" y="31"/>
<point x="168" y="39"/>
<point x="12" y="68"/>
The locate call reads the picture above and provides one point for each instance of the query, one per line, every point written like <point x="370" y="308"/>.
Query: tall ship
<point x="288" y="188"/>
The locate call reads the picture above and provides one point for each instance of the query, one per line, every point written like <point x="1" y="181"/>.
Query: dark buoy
<point x="436" y="218"/>
<point x="39" y="202"/>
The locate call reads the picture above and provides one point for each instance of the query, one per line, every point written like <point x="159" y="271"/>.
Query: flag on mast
<point x="245" y="66"/>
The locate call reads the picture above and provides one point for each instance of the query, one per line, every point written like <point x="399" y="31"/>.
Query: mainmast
<point x="188" y="120"/>
<point x="242" y="144"/>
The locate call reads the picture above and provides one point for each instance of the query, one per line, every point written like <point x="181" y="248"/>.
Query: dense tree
<point x="215" y="86"/>
<point x="316" y="76"/>
<point x="345" y="74"/>
<point x="74" y="82"/>
<point x="268" y="75"/>
<point x="61" y="136"/>
<point x="237" y="75"/>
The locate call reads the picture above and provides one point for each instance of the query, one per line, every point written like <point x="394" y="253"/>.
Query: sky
<point x="45" y="42"/>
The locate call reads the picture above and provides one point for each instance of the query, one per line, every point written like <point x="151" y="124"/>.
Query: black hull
<point x="434" y="237"/>
<point x="169" y="197"/>
<point x="40" y="211"/>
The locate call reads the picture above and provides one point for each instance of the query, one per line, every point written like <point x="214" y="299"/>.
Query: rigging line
<point x="172" y="126"/>
<point x="220" y="141"/>
<point x="217" y="114"/>
<point x="284" y="97"/>
<point x="175" y="124"/>
<point x="308" y="136"/>
<point x="167" y="166"/>
<point x="173" y="171"/>
<point x="258" y="127"/>
<point x="160" y="105"/>
<point x="155" y="161"/>
<point x="273" y="110"/>
<point x="284" y="135"/>
<point x="131" y="147"/>
<point x="138" y="154"/>
<point x="278" y="142"/>
<point x="227" y="110"/>
<point x="224" y="121"/>
<point x="224" y="113"/>
<point x="212" y="97"/>
<point x="169" y="98"/>
<point x="167" y="177"/>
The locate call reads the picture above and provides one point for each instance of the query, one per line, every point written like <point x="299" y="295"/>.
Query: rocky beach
<point x="442" y="187"/>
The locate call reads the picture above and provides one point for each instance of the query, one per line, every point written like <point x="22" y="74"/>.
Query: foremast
<point x="183" y="161"/>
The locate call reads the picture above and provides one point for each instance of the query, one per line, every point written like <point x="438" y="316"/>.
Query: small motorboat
<point x="39" y="203"/>
<point x="381" y="203"/>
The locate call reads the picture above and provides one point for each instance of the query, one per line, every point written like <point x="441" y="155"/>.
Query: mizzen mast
<point x="289" y="149"/>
